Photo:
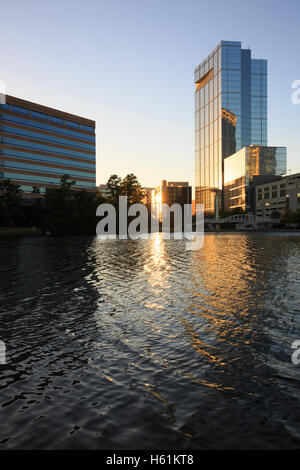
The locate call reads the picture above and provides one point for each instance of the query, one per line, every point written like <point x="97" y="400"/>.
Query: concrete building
<point x="278" y="196"/>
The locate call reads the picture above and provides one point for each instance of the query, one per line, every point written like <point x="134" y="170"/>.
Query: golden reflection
<point x="197" y="343"/>
<point x="157" y="254"/>
<point x="158" y="198"/>
<point x="157" y="269"/>
<point x="204" y="80"/>
<point x="225" y="281"/>
<point x="223" y="277"/>
<point x="171" y="408"/>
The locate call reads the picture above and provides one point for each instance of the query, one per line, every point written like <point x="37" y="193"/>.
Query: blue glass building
<point x="38" y="145"/>
<point x="230" y="113"/>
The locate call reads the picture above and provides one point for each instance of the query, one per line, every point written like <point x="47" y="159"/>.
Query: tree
<point x="10" y="195"/>
<point x="287" y="217"/>
<point x="131" y="188"/>
<point x="297" y="217"/>
<point x="290" y="217"/>
<point x="275" y="215"/>
<point x="128" y="186"/>
<point x="114" y="186"/>
<point x="65" y="184"/>
<point x="83" y="213"/>
<point x="58" y="205"/>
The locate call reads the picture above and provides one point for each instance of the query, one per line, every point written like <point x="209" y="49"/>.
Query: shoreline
<point x="20" y="232"/>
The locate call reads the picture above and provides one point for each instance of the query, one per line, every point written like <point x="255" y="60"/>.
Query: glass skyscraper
<point x="38" y="145"/>
<point x="230" y="113"/>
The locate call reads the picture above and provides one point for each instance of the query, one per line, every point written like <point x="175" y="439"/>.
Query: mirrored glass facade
<point x="241" y="168"/>
<point x="38" y="145"/>
<point x="230" y="113"/>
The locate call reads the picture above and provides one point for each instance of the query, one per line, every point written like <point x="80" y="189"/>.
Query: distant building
<point x="278" y="196"/>
<point x="243" y="167"/>
<point x="103" y="189"/>
<point x="39" y="144"/>
<point x="172" y="192"/>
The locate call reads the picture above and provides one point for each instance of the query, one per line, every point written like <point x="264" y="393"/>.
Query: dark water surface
<point x="144" y="345"/>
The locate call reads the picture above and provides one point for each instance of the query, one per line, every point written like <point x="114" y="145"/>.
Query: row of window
<point x="43" y="179"/>
<point x="46" y="137"/>
<point x="46" y="148"/>
<point x="274" y="195"/>
<point x="273" y="188"/>
<point x="48" y="127"/>
<point x="46" y="169"/>
<point x="46" y="117"/>
<point x="43" y="158"/>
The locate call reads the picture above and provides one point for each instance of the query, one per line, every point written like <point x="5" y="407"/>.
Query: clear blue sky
<point x="129" y="65"/>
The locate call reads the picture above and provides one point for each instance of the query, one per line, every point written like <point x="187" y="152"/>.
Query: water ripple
<point x="142" y="344"/>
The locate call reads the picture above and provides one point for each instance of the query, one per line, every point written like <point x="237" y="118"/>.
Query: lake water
<point x="144" y="345"/>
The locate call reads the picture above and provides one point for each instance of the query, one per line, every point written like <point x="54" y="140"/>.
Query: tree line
<point x="67" y="211"/>
<point x="64" y="210"/>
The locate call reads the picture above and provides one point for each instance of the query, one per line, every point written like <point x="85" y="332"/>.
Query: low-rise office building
<point x="278" y="196"/>
<point x="241" y="168"/>
<point x="39" y="144"/>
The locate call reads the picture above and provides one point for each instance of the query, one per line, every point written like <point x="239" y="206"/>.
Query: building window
<point x="18" y="109"/>
<point x="86" y="128"/>
<point x="56" y="119"/>
<point x="38" y="115"/>
<point x="282" y="193"/>
<point x="72" y="124"/>
<point x="274" y="194"/>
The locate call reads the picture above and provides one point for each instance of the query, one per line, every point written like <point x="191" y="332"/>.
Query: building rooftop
<point x="45" y="109"/>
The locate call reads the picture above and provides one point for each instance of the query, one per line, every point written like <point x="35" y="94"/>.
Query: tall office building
<point x="230" y="113"/>
<point x="38" y="145"/>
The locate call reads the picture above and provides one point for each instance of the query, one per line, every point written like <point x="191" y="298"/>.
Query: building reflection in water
<point x="227" y="297"/>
